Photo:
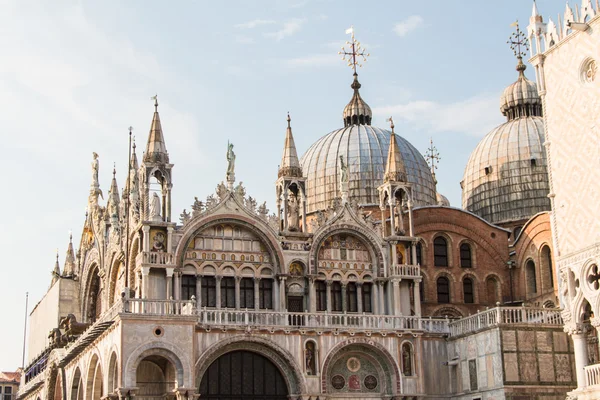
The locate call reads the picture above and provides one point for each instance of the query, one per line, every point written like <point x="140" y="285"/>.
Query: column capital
<point x="169" y="272"/>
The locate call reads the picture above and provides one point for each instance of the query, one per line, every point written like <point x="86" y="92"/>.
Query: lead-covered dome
<point x="506" y="177"/>
<point x="365" y="147"/>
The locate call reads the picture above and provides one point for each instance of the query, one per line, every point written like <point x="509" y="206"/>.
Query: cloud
<point x="254" y="23"/>
<point x="244" y="39"/>
<point x="474" y="116"/>
<point x="314" y="60"/>
<point x="402" y="28"/>
<point x="289" y="28"/>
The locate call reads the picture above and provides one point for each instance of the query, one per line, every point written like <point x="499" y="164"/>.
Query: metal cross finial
<point x="155" y="98"/>
<point x="518" y="42"/>
<point x="432" y="156"/>
<point x="355" y="52"/>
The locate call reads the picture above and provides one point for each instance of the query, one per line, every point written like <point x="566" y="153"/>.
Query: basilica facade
<point x="363" y="283"/>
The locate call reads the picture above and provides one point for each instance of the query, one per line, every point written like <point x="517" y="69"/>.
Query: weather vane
<point x="432" y="156"/>
<point x="518" y="41"/>
<point x="355" y="53"/>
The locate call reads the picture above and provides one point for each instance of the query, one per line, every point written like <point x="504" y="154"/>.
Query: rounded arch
<point x="76" y="388"/>
<point x="467" y="254"/>
<point x="94" y="379"/>
<point x="273" y="352"/>
<point x="493" y="289"/>
<point x="546" y="267"/>
<point x="254" y="225"/>
<point x="439" y="246"/>
<point x="531" y="276"/>
<point x="449" y="312"/>
<point x="368" y="347"/>
<point x="407" y="358"/>
<point x="465" y="278"/>
<point x="168" y="351"/>
<point x="371" y="241"/>
<point x="113" y="372"/>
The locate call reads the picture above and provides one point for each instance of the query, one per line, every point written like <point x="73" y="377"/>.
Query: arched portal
<point x="94" y="297"/>
<point x="243" y="374"/>
<point x="156" y="377"/>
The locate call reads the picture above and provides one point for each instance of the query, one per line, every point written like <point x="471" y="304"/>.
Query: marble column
<point x="177" y="285"/>
<point x="169" y="273"/>
<point x="218" y="290"/>
<point x="396" y="297"/>
<point x="282" y="292"/>
<point x="257" y="294"/>
<point x="312" y="295"/>
<point x="199" y="291"/>
<point x="359" y="298"/>
<point x="381" y="298"/>
<point x="329" y="283"/>
<point x="375" y="298"/>
<point x="344" y="297"/>
<point x="417" y="297"/>
<point x="581" y="356"/>
<point x="146" y="241"/>
<point x="145" y="278"/>
<point x="237" y="280"/>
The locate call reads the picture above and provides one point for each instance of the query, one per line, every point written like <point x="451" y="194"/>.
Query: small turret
<point x="395" y="169"/>
<point x="55" y="271"/>
<point x="113" y="199"/>
<point x="291" y="187"/>
<point x="156" y="149"/>
<point x="69" y="268"/>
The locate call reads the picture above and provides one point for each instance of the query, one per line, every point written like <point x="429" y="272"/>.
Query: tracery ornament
<point x="589" y="71"/>
<point x="594" y="277"/>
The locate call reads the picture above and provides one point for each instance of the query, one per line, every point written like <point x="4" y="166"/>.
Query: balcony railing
<point x="506" y="315"/>
<point x="405" y="271"/>
<point x="153" y="258"/>
<point x="285" y="320"/>
<point x="592" y="375"/>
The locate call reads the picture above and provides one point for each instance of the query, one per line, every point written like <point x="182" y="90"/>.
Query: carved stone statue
<point x="95" y="169"/>
<point x="293" y="220"/>
<point x="263" y="210"/>
<point x="344" y="171"/>
<point x="197" y="207"/>
<point x="230" y="163"/>
<point x="398" y="220"/>
<point x="184" y="217"/>
<point x="155" y="207"/>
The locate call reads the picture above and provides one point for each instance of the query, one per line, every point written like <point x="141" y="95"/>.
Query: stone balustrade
<point x="405" y="271"/>
<point x="155" y="259"/>
<point x="592" y="375"/>
<point x="506" y="315"/>
<point x="285" y="320"/>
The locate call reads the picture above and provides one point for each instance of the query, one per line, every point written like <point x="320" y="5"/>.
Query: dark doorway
<point x="296" y="305"/>
<point x="243" y="375"/>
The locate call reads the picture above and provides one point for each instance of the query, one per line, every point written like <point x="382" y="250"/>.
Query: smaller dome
<point x="442" y="200"/>
<point x="521" y="99"/>
<point x="357" y="111"/>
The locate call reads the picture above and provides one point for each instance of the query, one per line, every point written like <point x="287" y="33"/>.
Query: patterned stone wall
<point x="571" y="103"/>
<point x="536" y="359"/>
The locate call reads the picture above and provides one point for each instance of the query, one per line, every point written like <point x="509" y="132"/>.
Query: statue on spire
<point x="95" y="169"/>
<point x="230" y="165"/>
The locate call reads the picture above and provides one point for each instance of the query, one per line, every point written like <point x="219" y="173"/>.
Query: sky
<point x="75" y="75"/>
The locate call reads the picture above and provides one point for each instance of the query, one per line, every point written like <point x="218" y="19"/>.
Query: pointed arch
<point x="94" y="381"/>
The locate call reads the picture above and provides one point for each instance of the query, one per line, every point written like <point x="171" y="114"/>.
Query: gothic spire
<point x="290" y="166"/>
<point x="156" y="149"/>
<point x="69" y="268"/>
<point x="394" y="169"/>
<point x="113" y="196"/>
<point x="55" y="271"/>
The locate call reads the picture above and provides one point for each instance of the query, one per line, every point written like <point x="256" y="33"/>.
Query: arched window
<point x="367" y="296"/>
<point x="407" y="359"/>
<point x="336" y="296"/>
<point x="419" y="253"/>
<point x="228" y="292"/>
<point x="530" y="278"/>
<point x="188" y="287"/>
<point x="547" y="265"/>
<point x="265" y="294"/>
<point x="351" y="299"/>
<point x="468" y="290"/>
<point x="443" y="290"/>
<point x="491" y="288"/>
<point x="247" y="293"/>
<point x="517" y="231"/>
<point x="321" y="289"/>
<point x="440" y="252"/>
<point x="209" y="292"/>
<point x="465" y="255"/>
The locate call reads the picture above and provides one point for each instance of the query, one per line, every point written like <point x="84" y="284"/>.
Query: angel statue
<point x="230" y="163"/>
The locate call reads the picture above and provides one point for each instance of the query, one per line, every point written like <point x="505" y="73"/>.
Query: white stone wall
<point x="573" y="133"/>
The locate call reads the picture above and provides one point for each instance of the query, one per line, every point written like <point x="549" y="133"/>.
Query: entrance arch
<point x="243" y="374"/>
<point x="156" y="377"/>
